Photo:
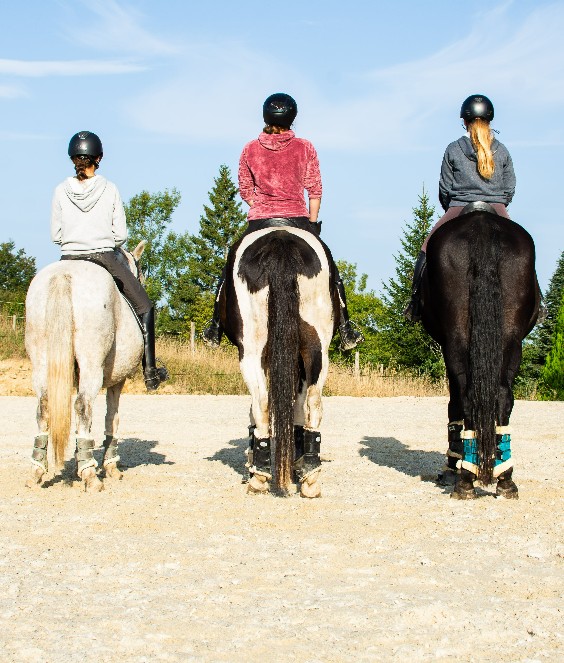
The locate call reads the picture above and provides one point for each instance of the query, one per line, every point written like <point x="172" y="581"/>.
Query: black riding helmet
<point x="279" y="110"/>
<point x="477" y="106"/>
<point x="85" y="143"/>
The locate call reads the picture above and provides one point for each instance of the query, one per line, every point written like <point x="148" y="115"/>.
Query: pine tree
<point x="552" y="374"/>
<point x="221" y="224"/>
<point x="407" y="345"/>
<point x="539" y="343"/>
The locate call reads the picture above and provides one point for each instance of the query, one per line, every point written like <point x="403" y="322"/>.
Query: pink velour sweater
<point x="274" y="171"/>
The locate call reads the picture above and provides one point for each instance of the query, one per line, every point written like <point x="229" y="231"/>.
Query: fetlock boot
<point x="350" y="337"/>
<point x="412" y="311"/>
<point x="153" y="375"/>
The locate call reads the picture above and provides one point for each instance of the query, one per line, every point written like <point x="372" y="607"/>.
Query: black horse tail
<point x="283" y="353"/>
<point x="485" y="343"/>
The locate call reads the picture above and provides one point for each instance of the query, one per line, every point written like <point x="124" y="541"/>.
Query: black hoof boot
<point x="350" y="337"/>
<point x="212" y="334"/>
<point x="447" y="476"/>
<point x="260" y="469"/>
<point x="506" y="487"/>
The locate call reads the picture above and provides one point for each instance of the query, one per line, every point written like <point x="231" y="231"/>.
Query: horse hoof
<point x="113" y="472"/>
<point x="35" y="479"/>
<point x="463" y="494"/>
<point x="311" y="491"/>
<point x="91" y="482"/>
<point x="509" y="491"/>
<point x="258" y="485"/>
<point x="446" y="478"/>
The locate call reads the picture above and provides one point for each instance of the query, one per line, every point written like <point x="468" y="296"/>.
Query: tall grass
<point x="11" y="336"/>
<point x="205" y="371"/>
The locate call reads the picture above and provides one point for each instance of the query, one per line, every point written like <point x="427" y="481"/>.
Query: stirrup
<point x="212" y="333"/>
<point x="350" y="338"/>
<point x="412" y="312"/>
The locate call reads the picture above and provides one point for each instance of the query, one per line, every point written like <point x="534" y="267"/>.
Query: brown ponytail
<point x="482" y="138"/>
<point x="81" y="163"/>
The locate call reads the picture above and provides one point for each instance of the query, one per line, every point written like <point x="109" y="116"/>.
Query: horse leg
<point x="111" y="457"/>
<point x="308" y="466"/>
<point x="39" y="455"/>
<point x="259" y="454"/>
<point x="90" y="385"/>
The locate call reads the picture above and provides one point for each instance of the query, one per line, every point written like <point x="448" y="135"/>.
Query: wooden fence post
<point x="357" y="365"/>
<point x="193" y="337"/>
<point x="14" y="322"/>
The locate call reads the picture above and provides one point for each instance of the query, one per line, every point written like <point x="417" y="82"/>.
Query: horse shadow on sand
<point x="234" y="456"/>
<point x="390" y="452"/>
<point x="132" y="451"/>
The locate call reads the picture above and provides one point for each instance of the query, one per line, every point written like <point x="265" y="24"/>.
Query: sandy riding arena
<point x="177" y="563"/>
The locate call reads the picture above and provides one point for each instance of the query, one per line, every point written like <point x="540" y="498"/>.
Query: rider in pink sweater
<point x="274" y="171"/>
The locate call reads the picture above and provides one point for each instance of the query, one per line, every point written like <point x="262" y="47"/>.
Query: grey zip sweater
<point x="460" y="183"/>
<point x="87" y="216"/>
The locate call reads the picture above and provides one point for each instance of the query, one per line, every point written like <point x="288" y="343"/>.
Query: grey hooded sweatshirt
<point x="87" y="216"/>
<point x="460" y="183"/>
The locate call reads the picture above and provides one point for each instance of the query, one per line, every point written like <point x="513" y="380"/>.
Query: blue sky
<point x="175" y="89"/>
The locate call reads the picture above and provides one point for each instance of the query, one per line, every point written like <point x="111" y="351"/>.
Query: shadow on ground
<point x="234" y="456"/>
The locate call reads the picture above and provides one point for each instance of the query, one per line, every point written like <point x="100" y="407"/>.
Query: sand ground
<point x="177" y="563"/>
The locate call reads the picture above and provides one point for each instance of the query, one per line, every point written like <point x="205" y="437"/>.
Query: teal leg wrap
<point x="471" y="452"/>
<point x="503" y="451"/>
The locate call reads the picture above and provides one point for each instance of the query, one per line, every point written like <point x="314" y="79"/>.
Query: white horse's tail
<point x="60" y="362"/>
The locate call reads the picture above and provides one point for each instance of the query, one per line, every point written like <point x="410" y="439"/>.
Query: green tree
<point x="365" y="309"/>
<point x="552" y="374"/>
<point x="406" y="345"/>
<point x="539" y="344"/>
<point x="149" y="216"/>
<point x="16" y="271"/>
<point x="222" y="223"/>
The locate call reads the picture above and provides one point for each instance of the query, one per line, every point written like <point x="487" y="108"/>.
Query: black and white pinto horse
<point x="480" y="299"/>
<point x="277" y="306"/>
<point x="80" y="332"/>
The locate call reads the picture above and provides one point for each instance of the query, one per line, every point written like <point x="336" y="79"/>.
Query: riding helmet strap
<point x="503" y="460"/>
<point x="310" y="462"/>
<point x="84" y="454"/>
<point x="39" y="454"/>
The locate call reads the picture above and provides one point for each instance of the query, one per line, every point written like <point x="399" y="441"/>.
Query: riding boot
<point x="153" y="375"/>
<point x="412" y="311"/>
<point x="350" y="337"/>
<point x="212" y="333"/>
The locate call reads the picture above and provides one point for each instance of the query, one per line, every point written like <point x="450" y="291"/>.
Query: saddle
<point x="478" y="206"/>
<point x="282" y="222"/>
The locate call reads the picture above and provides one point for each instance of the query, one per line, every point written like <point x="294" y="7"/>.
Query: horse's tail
<point x="485" y="344"/>
<point x="283" y="349"/>
<point x="60" y="362"/>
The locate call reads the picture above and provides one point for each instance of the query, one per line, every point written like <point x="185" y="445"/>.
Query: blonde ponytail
<point x="482" y="138"/>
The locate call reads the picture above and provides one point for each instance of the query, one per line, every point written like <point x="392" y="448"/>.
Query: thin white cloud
<point x="216" y="89"/>
<point x="41" y="68"/>
<point x="117" y="27"/>
<point x="11" y="92"/>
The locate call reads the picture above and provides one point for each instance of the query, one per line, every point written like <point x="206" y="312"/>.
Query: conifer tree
<point x="552" y="374"/>
<point x="407" y="345"/>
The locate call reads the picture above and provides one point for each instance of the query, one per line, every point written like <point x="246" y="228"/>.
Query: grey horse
<point x="80" y="333"/>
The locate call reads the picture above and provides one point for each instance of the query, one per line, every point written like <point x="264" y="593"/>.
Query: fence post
<point x="14" y="322"/>
<point x="193" y="336"/>
<point x="357" y="365"/>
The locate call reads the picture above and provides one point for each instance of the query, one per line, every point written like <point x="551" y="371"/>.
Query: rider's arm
<point x="56" y="214"/>
<point x="246" y="182"/>
<point x="508" y="180"/>
<point x="119" y="227"/>
<point x="314" y="205"/>
<point x="445" y="182"/>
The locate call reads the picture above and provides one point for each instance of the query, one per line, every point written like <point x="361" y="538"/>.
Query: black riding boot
<point x="212" y="333"/>
<point x="412" y="311"/>
<point x="153" y="375"/>
<point x="350" y="337"/>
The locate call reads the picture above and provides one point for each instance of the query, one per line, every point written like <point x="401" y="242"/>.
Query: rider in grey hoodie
<point x="88" y="222"/>
<point x="476" y="167"/>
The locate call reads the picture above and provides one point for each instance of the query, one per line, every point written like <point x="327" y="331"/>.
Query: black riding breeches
<point x="125" y="280"/>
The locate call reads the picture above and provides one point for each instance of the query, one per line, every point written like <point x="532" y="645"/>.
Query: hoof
<point x="446" y="477"/>
<point x="509" y="490"/>
<point x="258" y="485"/>
<point x="91" y="482"/>
<point x="113" y="472"/>
<point x="463" y="494"/>
<point x="310" y="486"/>
<point x="36" y="477"/>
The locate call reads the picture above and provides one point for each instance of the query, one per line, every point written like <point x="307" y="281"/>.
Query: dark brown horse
<point x="480" y="299"/>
